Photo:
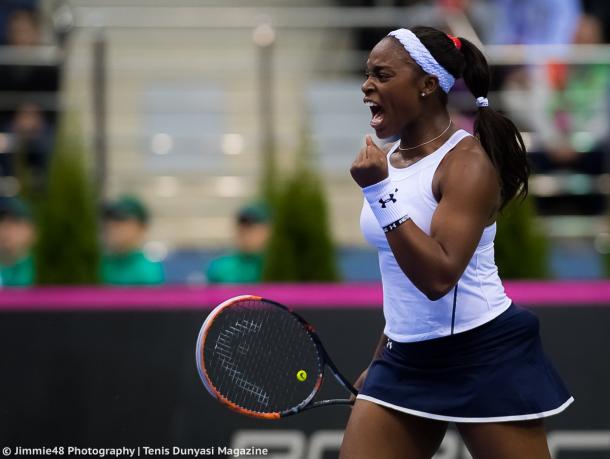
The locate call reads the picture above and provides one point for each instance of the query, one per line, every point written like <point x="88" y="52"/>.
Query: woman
<point x="454" y="348"/>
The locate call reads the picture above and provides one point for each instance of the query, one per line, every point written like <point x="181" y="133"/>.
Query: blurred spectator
<point x="601" y="10"/>
<point x="28" y="92"/>
<point x="575" y="115"/>
<point x="23" y="29"/>
<point x="533" y="21"/>
<point x="7" y="7"/>
<point x="124" y="263"/>
<point x="245" y="263"/>
<point x="17" y="236"/>
<point x="511" y="22"/>
<point x="566" y="106"/>
<point x="526" y="22"/>
<point x="30" y="138"/>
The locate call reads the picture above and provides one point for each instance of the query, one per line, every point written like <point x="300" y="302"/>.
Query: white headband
<point x="422" y="56"/>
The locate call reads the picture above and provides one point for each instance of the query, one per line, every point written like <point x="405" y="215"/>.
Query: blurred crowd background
<point x="145" y="142"/>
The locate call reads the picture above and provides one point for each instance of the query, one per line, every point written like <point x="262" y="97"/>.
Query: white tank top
<point x="478" y="296"/>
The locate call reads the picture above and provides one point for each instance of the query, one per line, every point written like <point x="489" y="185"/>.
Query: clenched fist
<point x="370" y="166"/>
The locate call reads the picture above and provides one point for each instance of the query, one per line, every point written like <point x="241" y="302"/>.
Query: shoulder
<point x="146" y="260"/>
<point x="140" y="259"/>
<point x="227" y="261"/>
<point x="151" y="271"/>
<point x="227" y="258"/>
<point x="468" y="149"/>
<point x="469" y="161"/>
<point x="468" y="173"/>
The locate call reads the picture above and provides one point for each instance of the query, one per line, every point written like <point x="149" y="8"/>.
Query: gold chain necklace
<point x="431" y="140"/>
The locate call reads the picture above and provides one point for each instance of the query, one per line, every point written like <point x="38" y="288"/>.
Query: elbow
<point x="437" y="286"/>
<point x="434" y="295"/>
<point x="438" y="290"/>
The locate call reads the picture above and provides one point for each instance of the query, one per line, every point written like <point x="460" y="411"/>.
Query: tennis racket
<point x="263" y="360"/>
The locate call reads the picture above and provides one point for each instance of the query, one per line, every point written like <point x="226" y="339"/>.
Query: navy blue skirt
<point x="493" y="373"/>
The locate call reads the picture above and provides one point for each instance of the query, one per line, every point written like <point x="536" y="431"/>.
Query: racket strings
<point x="253" y="353"/>
<point x="232" y="373"/>
<point x="258" y="392"/>
<point x="233" y="376"/>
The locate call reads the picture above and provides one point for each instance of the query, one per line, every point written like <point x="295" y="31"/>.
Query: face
<point x="252" y="237"/>
<point x="588" y="31"/>
<point x="123" y="236"/>
<point x="16" y="238"/>
<point x="22" y="30"/>
<point x="28" y="120"/>
<point x="392" y="87"/>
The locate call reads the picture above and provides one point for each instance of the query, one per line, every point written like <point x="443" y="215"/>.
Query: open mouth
<point x="377" y="113"/>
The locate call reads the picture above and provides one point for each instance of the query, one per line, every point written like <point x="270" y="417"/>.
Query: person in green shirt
<point x="123" y="262"/>
<point x="17" y="236"/>
<point x="245" y="263"/>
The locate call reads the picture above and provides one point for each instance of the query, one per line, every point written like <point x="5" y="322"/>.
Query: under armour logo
<point x="383" y="202"/>
<point x="389" y="344"/>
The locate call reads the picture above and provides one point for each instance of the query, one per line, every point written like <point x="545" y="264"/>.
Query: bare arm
<point x="469" y="190"/>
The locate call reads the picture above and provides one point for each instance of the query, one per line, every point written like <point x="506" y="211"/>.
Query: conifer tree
<point x="67" y="251"/>
<point x="521" y="249"/>
<point x="301" y="247"/>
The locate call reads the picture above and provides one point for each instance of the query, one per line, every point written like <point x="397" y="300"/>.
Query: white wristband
<point x="386" y="201"/>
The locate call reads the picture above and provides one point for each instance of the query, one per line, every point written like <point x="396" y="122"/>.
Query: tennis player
<point x="454" y="348"/>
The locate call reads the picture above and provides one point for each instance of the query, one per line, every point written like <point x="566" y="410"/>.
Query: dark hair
<point x="498" y="135"/>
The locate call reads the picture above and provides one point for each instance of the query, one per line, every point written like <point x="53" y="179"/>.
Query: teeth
<point x="370" y="104"/>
